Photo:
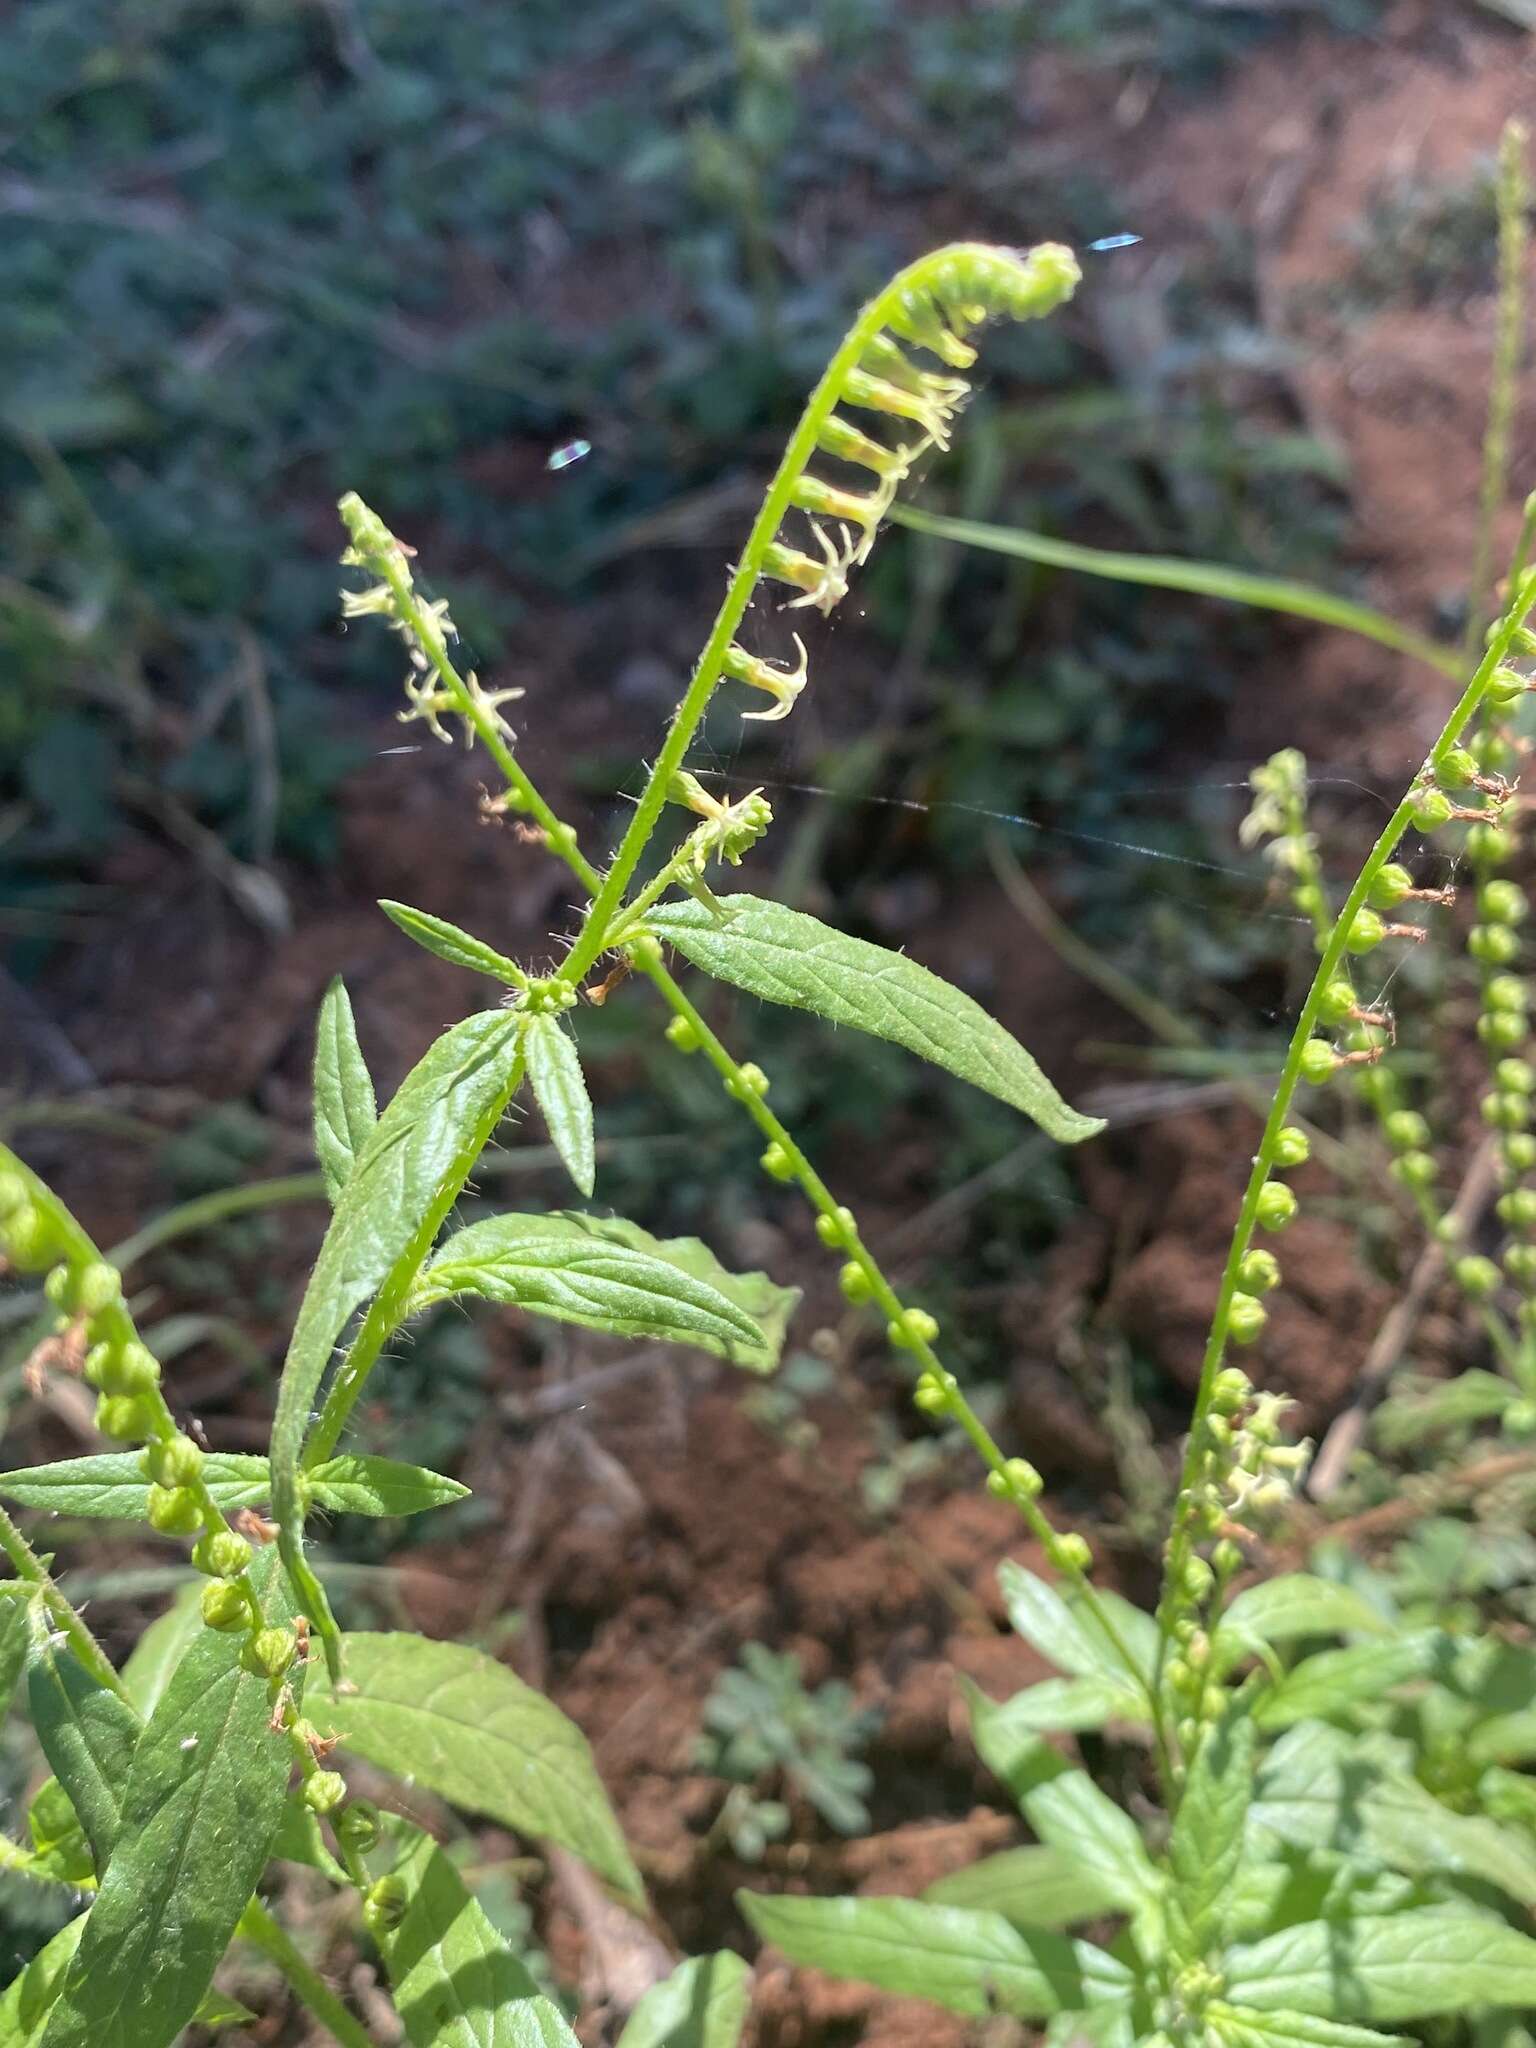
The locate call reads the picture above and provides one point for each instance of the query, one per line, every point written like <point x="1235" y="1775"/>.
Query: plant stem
<point x="1181" y="1540"/>
<point x="29" y="1566"/>
<point x="205" y="1210"/>
<point x="956" y="1407"/>
<point x="388" y="1306"/>
<point x="258" y="1927"/>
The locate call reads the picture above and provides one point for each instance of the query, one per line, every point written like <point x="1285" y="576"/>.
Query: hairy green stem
<point x="1334" y="953"/>
<point x="30" y="1567"/>
<point x="258" y="1927"/>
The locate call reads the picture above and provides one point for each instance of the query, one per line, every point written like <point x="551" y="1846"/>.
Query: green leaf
<point x="345" y="1112"/>
<point x="1336" y="1679"/>
<point x="1295" y="1605"/>
<point x="15" y="1636"/>
<point x="786" y="957"/>
<point x="29" y="1997"/>
<point x="1063" y="1705"/>
<point x="218" y="2009"/>
<point x="202" y="1802"/>
<point x="160" y="1649"/>
<point x="560" y="1089"/>
<point x="607" y="1274"/>
<point x="1066" y="1630"/>
<point x="971" y="1963"/>
<point x="453" y="1720"/>
<point x="113" y="1487"/>
<point x="1292" y="2030"/>
<point x="88" y="1735"/>
<point x="456" y="1983"/>
<point x="357" y="1485"/>
<point x="1206" y="1844"/>
<point x="703" y="2004"/>
<point x="301" y="1839"/>
<point x="436" y="1123"/>
<point x="1035" y="1886"/>
<point x="1406" y="1966"/>
<point x="458" y="948"/>
<point x="1065" y="1807"/>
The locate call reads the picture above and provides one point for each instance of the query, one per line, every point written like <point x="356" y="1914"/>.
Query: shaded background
<point x="253" y="255"/>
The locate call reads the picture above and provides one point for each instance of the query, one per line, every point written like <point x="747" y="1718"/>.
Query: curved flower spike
<point x="783" y="685"/>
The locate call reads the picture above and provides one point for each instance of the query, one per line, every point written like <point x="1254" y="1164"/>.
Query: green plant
<point x="764" y="1730"/>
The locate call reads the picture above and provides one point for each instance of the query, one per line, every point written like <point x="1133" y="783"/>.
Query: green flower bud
<point x="1017" y="1480"/>
<point x="684" y="1035"/>
<point x="13" y="1193"/>
<point x="1378" y="1087"/>
<point x="126" y="1418"/>
<point x="1218" y="1428"/>
<point x="173" y="1510"/>
<point x="225" y="1608"/>
<point x="115" y="1368"/>
<point x="1477" y="1277"/>
<point x="100" y="1287"/>
<point x="1246" y="1318"/>
<point x="1502" y="1030"/>
<point x="1520" y="1420"/>
<point x="1405" y="1130"/>
<point x="1432" y="810"/>
<point x="777" y="1164"/>
<point x="1318" y="1061"/>
<point x="1227" y="1557"/>
<point x="1391" y="885"/>
<point x="1458" y="768"/>
<point x="929" y="1395"/>
<point x="1493" y="944"/>
<point x="1179" y="1676"/>
<point x="1492" y="751"/>
<point x="221" y="1554"/>
<point x="855" y="1283"/>
<point x="1449" y="1230"/>
<point x="1519" y="1149"/>
<point x="1276" y="1205"/>
<point x="1502" y="902"/>
<point x="1506" y="992"/>
<point x="28" y="1239"/>
<point x="1293" y="1147"/>
<point x="324" y="1791"/>
<point x="1518" y="1208"/>
<point x="1520" y="1264"/>
<point x="1366" y="931"/>
<point x="1070" y="1553"/>
<point x="1515" y="1077"/>
<point x="1337" y="1002"/>
<point x="385" y="1906"/>
<point x="1505" y="1112"/>
<point x="59" y="1286"/>
<point x="1198" y="1580"/>
<point x="1415" y="1170"/>
<point x="748" y="1081"/>
<point x="1231" y="1391"/>
<point x="269" y="1652"/>
<point x="1489" y="846"/>
<point x="1308" y="899"/>
<point x="837" y="1231"/>
<point x="915" y="1327"/>
<point x="176" y="1461"/>
<point x="1506" y="686"/>
<point x="1258" y="1273"/>
<point x="357" y="1826"/>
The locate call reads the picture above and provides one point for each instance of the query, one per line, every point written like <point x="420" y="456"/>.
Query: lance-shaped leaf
<point x="560" y="1089"/>
<point x="608" y="1274"/>
<point x="458" y="1723"/>
<point x="972" y="1963"/>
<point x="88" y="1734"/>
<point x="358" y="1485"/>
<point x="112" y="1486"/>
<point x="703" y="2004"/>
<point x="344" y="1106"/>
<point x="784" y="956"/>
<point x="1068" y="1811"/>
<point x="455" y="1981"/>
<point x="1297" y="1604"/>
<point x="29" y="1997"/>
<point x="1406" y="1966"/>
<point x="1245" y="2029"/>
<point x="203" y="1799"/>
<point x="15" y="1634"/>
<point x="459" y="949"/>
<point x="427" y="1139"/>
<point x="1035" y="1886"/>
<point x="1336" y="1679"/>
<point x="154" y="1657"/>
<point x="1111" y="1640"/>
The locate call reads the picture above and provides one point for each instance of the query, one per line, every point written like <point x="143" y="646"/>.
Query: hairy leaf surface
<point x="112" y="1485"/>
<point x="608" y="1274"/>
<point x="449" y="1718"/>
<point x="560" y="1089"/>
<point x="355" y="1484"/>
<point x="784" y="956"/>
<point x="88" y="1735"/>
<point x="458" y="948"/>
